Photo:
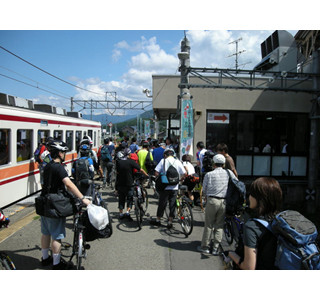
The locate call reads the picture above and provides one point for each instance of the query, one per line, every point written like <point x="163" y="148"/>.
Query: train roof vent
<point x="15" y="101"/>
<point x="50" y="109"/>
<point x="74" y="114"/>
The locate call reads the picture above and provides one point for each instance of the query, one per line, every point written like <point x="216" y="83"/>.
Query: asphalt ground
<point x="150" y="248"/>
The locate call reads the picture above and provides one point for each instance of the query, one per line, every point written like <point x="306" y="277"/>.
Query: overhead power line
<point x="33" y="86"/>
<point x="48" y="72"/>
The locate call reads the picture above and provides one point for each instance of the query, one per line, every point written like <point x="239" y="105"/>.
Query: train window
<point x="69" y="139"/>
<point x="57" y="135"/>
<point x="95" y="139"/>
<point x="43" y="135"/>
<point x="90" y="133"/>
<point x="24" y="144"/>
<point x="4" y="146"/>
<point x="78" y="138"/>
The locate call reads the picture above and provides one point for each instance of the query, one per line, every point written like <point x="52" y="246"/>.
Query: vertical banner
<point x="147" y="129"/>
<point x="186" y="146"/>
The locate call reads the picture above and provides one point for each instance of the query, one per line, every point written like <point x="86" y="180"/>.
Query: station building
<point x="263" y="116"/>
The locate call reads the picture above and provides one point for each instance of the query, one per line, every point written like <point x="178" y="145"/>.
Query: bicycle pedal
<point x="87" y="246"/>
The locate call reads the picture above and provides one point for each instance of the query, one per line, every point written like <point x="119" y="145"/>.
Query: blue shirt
<point x="133" y="148"/>
<point x="157" y="154"/>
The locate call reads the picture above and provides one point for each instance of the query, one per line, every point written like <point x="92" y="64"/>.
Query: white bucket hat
<point x="219" y="159"/>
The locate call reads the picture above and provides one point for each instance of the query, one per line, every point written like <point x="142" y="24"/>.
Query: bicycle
<point x="233" y="226"/>
<point x="183" y="211"/>
<point x="141" y="201"/>
<point x="5" y="261"/>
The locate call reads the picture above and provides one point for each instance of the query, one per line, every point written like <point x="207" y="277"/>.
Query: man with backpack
<point x="145" y="157"/>
<point x="175" y="172"/>
<point x="83" y="170"/>
<point x="106" y="161"/>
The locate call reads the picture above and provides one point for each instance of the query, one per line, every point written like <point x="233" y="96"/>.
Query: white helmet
<point x="219" y="159"/>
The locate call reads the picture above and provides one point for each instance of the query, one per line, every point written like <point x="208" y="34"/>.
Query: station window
<point x="43" y="135"/>
<point x="24" y="144"/>
<point x="57" y="135"/>
<point x="69" y="139"/>
<point x="4" y="146"/>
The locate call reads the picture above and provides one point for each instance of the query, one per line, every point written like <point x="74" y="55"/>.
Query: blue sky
<point x="101" y="59"/>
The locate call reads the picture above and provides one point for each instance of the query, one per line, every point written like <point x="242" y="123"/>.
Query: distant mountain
<point x="103" y="118"/>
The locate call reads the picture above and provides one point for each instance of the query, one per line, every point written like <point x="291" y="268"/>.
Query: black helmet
<point x="58" y="146"/>
<point x="48" y="140"/>
<point x="84" y="150"/>
<point x="106" y="140"/>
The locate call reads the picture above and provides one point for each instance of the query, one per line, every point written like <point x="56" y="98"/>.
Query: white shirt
<point x="190" y="167"/>
<point x="201" y="155"/>
<point x="215" y="183"/>
<point x="168" y="162"/>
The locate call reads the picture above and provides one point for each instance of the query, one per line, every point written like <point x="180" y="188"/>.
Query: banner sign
<point x="186" y="140"/>
<point x="147" y="129"/>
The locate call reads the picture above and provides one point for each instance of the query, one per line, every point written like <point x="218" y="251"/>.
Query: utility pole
<point x="237" y="52"/>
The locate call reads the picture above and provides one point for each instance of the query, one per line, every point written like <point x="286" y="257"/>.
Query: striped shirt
<point x="215" y="183"/>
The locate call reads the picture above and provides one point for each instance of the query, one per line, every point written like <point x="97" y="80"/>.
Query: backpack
<point x="171" y="177"/>
<point x="105" y="154"/>
<point x="207" y="162"/>
<point x="82" y="172"/>
<point x="296" y="246"/>
<point x="37" y="154"/>
<point x="150" y="164"/>
<point x="236" y="195"/>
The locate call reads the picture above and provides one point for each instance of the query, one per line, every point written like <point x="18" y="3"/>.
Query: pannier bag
<point x="296" y="247"/>
<point x="236" y="194"/>
<point x="97" y="223"/>
<point x="55" y="205"/>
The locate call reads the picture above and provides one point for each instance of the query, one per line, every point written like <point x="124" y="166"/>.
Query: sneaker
<point x="46" y="262"/>
<point x="215" y="252"/>
<point x="63" y="265"/>
<point x="121" y="216"/>
<point x="203" y="250"/>
<point x="155" y="222"/>
<point x="169" y="225"/>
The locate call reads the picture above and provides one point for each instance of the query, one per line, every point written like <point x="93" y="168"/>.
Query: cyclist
<point x="142" y="155"/>
<point x="158" y="152"/>
<point x="134" y="147"/>
<point x="189" y="181"/>
<point x="259" y="246"/>
<point x="200" y="154"/>
<point x="125" y="182"/>
<point x="169" y="194"/>
<point x="83" y="170"/>
<point x="215" y="185"/>
<point x="55" y="228"/>
<point x="106" y="161"/>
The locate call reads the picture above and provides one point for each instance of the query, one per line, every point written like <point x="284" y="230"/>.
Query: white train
<point x="22" y="128"/>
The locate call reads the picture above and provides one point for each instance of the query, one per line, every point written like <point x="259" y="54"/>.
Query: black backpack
<point x="207" y="162"/>
<point x="172" y="175"/>
<point x="150" y="164"/>
<point x="82" y="172"/>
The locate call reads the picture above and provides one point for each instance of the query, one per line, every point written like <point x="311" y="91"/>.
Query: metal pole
<point x="72" y="104"/>
<point x="314" y="140"/>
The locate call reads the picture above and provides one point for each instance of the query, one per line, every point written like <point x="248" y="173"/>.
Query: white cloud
<point x="208" y="49"/>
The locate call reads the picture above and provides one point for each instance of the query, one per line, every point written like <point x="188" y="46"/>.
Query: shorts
<point x="54" y="227"/>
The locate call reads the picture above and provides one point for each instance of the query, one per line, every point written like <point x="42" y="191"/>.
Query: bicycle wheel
<point x="186" y="217"/>
<point x="6" y="263"/>
<point x="228" y="233"/>
<point x="80" y="249"/>
<point x="137" y="212"/>
<point x="145" y="202"/>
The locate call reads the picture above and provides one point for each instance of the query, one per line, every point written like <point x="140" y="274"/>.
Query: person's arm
<point x="249" y="261"/>
<point x="71" y="187"/>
